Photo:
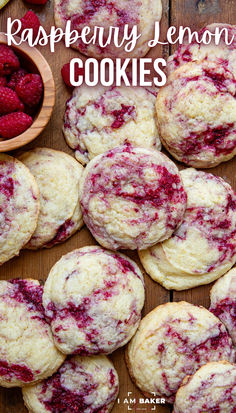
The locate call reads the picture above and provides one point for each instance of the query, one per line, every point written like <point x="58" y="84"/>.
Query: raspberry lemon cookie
<point x="132" y="197"/>
<point x="192" y="124"/>
<point x="93" y="299"/>
<point x="223" y="301"/>
<point x="100" y="118"/>
<point x="27" y="350"/>
<point x="211" y="389"/>
<point x="82" y="384"/>
<point x="19" y="199"/>
<point x="174" y="340"/>
<point x="221" y="53"/>
<point x="58" y="176"/>
<point x="204" y="247"/>
<point x="104" y="14"/>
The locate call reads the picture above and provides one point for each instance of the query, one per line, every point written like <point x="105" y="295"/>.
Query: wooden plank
<point x="37" y="264"/>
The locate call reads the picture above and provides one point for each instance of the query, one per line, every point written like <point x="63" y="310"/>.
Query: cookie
<point x="93" y="299"/>
<point x="173" y="341"/>
<point x="204" y="247"/>
<point x="107" y="14"/>
<point x="196" y="114"/>
<point x="58" y="176"/>
<point x="100" y="118"/>
<point x="82" y="384"/>
<point x="223" y="302"/>
<point x="131" y="197"/>
<point x="19" y="199"/>
<point x="221" y="53"/>
<point x="211" y="389"/>
<point x="27" y="350"/>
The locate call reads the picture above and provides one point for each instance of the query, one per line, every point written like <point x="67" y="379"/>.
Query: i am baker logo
<point x="143" y="403"/>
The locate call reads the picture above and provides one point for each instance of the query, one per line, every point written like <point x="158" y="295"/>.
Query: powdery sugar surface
<point x="19" y="206"/>
<point x="132" y="197"/>
<point x="196" y="114"/>
<point x="211" y="389"/>
<point x="204" y="246"/>
<point x="93" y="299"/>
<point x="58" y="176"/>
<point x="98" y="119"/>
<point x="173" y="341"/>
<point x="82" y="384"/>
<point x="108" y="13"/>
<point x="222" y="54"/>
<point x="223" y="301"/>
<point x="27" y="351"/>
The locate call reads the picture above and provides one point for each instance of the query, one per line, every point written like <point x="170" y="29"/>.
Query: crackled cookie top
<point x="27" y="350"/>
<point x="196" y="114"/>
<point x="221" y="53"/>
<point x="57" y="175"/>
<point x="211" y="389"/>
<point x="107" y="13"/>
<point x="82" y="384"/>
<point x="223" y="301"/>
<point x="174" y="340"/>
<point x="204" y="246"/>
<point x="132" y="197"/>
<point x="93" y="299"/>
<point x="19" y="206"/>
<point x="98" y="119"/>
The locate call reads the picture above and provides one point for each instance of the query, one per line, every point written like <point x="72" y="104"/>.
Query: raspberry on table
<point x="8" y="60"/>
<point x="65" y="72"/>
<point x="9" y="101"/>
<point x="15" y="77"/>
<point x="13" y="124"/>
<point x="30" y="89"/>
<point x="30" y="21"/>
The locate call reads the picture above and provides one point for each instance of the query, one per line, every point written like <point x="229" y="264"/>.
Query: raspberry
<point x="30" y="89"/>
<point x="8" y="60"/>
<point x="14" y="124"/>
<point x="15" y="77"/>
<point x="37" y="1"/>
<point x="30" y="21"/>
<point x="21" y="107"/>
<point x="9" y="101"/>
<point x="3" y="81"/>
<point x="65" y="72"/>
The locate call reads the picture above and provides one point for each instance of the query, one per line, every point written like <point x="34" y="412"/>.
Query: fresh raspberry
<point x="21" y="107"/>
<point x="9" y="101"/>
<point x="8" y="60"/>
<point x="65" y="72"/>
<point x="14" y="124"/>
<point x="37" y="1"/>
<point x="30" y="89"/>
<point x="30" y="21"/>
<point x="15" y="77"/>
<point x="3" y="81"/>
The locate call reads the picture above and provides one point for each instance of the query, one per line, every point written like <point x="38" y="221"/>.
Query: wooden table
<point x="192" y="13"/>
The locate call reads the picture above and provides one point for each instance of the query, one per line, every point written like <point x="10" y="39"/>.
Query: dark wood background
<point x="192" y="13"/>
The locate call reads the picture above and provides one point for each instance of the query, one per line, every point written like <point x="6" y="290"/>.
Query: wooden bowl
<point x="35" y="59"/>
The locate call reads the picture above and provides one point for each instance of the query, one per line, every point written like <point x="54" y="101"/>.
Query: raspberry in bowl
<point x="27" y="94"/>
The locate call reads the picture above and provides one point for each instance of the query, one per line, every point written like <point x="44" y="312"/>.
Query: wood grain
<point x="37" y="264"/>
